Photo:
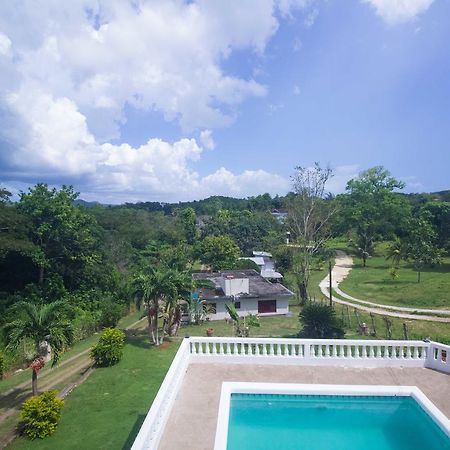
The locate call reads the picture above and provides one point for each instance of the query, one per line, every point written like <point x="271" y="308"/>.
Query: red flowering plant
<point x="37" y="364"/>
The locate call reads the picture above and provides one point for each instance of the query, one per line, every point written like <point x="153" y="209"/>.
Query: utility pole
<point x="330" y="287"/>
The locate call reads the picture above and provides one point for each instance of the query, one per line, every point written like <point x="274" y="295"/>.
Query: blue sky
<point x="162" y="100"/>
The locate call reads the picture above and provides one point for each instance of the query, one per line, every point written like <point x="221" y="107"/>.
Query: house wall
<point x="248" y="306"/>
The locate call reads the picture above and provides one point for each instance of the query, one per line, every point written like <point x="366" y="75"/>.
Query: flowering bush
<point x="37" y="364"/>
<point x="40" y="415"/>
<point x="109" y="349"/>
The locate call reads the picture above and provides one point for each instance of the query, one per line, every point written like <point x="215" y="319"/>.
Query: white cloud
<point x="286" y="7"/>
<point x="163" y="56"/>
<point x="399" y="11"/>
<point x="296" y="90"/>
<point x="76" y="66"/>
<point x="311" y="18"/>
<point x="56" y="141"/>
<point x="207" y="140"/>
<point x="5" y="45"/>
<point x="341" y="175"/>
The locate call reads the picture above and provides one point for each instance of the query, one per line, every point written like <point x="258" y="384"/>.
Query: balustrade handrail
<point x="248" y="340"/>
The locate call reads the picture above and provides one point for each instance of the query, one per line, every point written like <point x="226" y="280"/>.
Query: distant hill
<point x="264" y="202"/>
<point x="86" y="204"/>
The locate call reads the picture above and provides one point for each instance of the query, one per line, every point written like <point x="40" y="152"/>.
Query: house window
<point x="267" y="306"/>
<point x="237" y="305"/>
<point x="212" y="308"/>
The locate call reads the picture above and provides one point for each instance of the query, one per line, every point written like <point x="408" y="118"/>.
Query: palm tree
<point x="396" y="252"/>
<point x="47" y="326"/>
<point x="171" y="314"/>
<point x="152" y="289"/>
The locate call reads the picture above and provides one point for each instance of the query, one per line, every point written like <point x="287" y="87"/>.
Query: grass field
<point x="107" y="411"/>
<point x="374" y="283"/>
<point x="25" y="375"/>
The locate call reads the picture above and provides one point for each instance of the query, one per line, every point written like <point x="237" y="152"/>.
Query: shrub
<point x="109" y="349"/>
<point x="320" y="321"/>
<point x="40" y="415"/>
<point x="111" y="314"/>
<point x="2" y="365"/>
<point x="85" y="323"/>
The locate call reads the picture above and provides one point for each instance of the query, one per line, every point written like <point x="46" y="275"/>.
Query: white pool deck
<point x="184" y="413"/>
<point x="192" y="422"/>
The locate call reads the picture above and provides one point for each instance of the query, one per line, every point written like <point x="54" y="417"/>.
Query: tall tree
<point x="47" y="326"/>
<point x="61" y="230"/>
<point x="187" y="218"/>
<point x="372" y="210"/>
<point x="308" y="219"/>
<point x="420" y="245"/>
<point x="219" y="252"/>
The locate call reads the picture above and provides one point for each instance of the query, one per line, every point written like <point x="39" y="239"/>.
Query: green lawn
<point x="107" y="411"/>
<point x="275" y="326"/>
<point x="374" y="283"/>
<point x="25" y="375"/>
<point x="416" y="329"/>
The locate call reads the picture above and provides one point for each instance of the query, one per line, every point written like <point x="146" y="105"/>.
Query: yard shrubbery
<point x="320" y="322"/>
<point x="40" y="415"/>
<point x="109" y="349"/>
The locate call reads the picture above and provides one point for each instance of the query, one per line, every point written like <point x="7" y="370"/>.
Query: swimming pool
<point x="332" y="421"/>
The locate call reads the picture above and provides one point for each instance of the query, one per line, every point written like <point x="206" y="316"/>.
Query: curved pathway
<point x="340" y="271"/>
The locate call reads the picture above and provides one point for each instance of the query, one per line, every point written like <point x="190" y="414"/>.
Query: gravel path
<point x="342" y="268"/>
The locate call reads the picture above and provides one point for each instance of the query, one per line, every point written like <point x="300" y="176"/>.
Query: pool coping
<point x="229" y="388"/>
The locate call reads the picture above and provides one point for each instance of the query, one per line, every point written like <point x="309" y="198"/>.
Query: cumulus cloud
<point x="399" y="11"/>
<point x="69" y="69"/>
<point x="207" y="140"/>
<point x="118" y="172"/>
<point x="341" y="175"/>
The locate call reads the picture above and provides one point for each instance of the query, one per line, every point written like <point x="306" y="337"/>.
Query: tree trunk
<point x="364" y="258"/>
<point x="150" y="327"/>
<point x="34" y="385"/>
<point x="41" y="275"/>
<point x="418" y="276"/>
<point x="155" y="324"/>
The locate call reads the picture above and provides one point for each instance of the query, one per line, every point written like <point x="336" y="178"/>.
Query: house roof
<point x="270" y="273"/>
<point x="258" y="260"/>
<point x="263" y="254"/>
<point x="258" y="286"/>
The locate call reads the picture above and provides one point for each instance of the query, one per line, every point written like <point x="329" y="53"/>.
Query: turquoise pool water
<point x="327" y="422"/>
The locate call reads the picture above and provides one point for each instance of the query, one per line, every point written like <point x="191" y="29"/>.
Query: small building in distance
<point x="280" y="214"/>
<point x="266" y="266"/>
<point x="247" y="289"/>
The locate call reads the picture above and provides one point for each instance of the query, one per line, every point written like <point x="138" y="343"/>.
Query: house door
<point x="267" y="306"/>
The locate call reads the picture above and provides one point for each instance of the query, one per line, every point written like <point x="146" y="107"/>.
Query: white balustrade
<point x="364" y="353"/>
<point x="338" y="352"/>
<point x="438" y="357"/>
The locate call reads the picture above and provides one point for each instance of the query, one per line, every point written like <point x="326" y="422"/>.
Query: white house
<point x="249" y="291"/>
<point x="264" y="261"/>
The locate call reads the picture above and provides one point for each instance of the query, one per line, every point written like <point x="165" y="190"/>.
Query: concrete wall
<point x="248" y="306"/>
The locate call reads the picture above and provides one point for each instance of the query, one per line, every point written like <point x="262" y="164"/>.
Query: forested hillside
<point x="97" y="258"/>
